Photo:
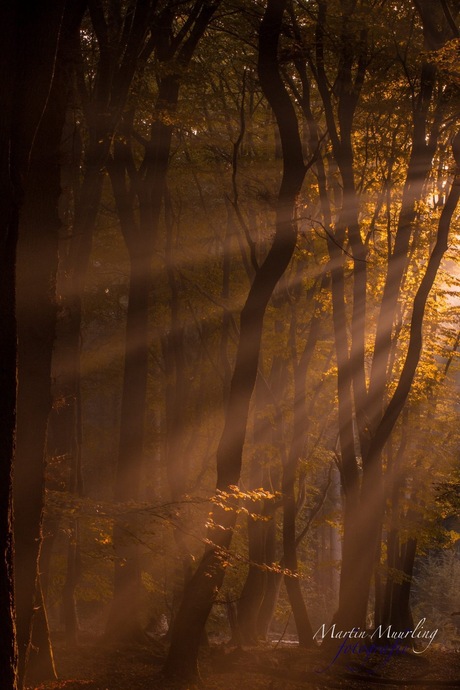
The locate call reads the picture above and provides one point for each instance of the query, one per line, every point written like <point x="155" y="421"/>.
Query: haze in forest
<point x="230" y="295"/>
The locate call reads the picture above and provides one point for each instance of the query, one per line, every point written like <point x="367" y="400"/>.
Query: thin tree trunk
<point x="103" y="109"/>
<point x="253" y="590"/>
<point x="290" y="466"/>
<point x="124" y="618"/>
<point x="177" y="457"/>
<point x="140" y="240"/>
<point x="401" y="615"/>
<point x="273" y="579"/>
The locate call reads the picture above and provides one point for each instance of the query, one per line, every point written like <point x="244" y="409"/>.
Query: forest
<point x="229" y="373"/>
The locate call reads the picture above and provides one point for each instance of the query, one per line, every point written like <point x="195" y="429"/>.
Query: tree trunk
<point x="252" y="593"/>
<point x="290" y="467"/>
<point x="360" y="546"/>
<point x="140" y="240"/>
<point x="207" y="580"/>
<point x="273" y="579"/>
<point x="124" y="618"/>
<point x="401" y="615"/>
<point x="103" y="109"/>
<point x="37" y="265"/>
<point x="8" y="238"/>
<point x="29" y="115"/>
<point x="177" y="457"/>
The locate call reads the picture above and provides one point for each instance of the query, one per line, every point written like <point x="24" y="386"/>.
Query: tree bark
<point x="46" y="81"/>
<point x="273" y="579"/>
<point x="361" y="547"/>
<point x="253" y="590"/>
<point x="290" y="467"/>
<point x="140" y="240"/>
<point x="207" y="580"/>
<point x="9" y="202"/>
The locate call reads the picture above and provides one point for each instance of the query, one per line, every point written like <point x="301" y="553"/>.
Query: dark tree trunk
<point x="8" y="238"/>
<point x="26" y="115"/>
<point x="124" y="618"/>
<point x="8" y="653"/>
<point x="396" y="486"/>
<point x="177" y="458"/>
<point x="401" y="558"/>
<point x="200" y="593"/>
<point x="290" y="468"/>
<point x="140" y="240"/>
<point x="350" y="351"/>
<point x="37" y="264"/>
<point x="363" y="540"/>
<point x="401" y="615"/>
<point x="253" y="590"/>
<point x="273" y="579"/>
<point x="119" y="57"/>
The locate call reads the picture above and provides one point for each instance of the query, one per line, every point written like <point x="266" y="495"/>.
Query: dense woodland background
<point x="229" y="246"/>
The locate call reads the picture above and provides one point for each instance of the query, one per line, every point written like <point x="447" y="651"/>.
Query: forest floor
<point x="272" y="667"/>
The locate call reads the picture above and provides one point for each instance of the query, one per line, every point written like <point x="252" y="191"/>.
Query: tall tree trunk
<point x="273" y="578"/>
<point x="395" y="487"/>
<point x="364" y="500"/>
<point x="120" y="55"/>
<point x="207" y="580"/>
<point x="253" y="590"/>
<point x="36" y="274"/>
<point x="355" y="586"/>
<point x="140" y="240"/>
<point x="401" y="615"/>
<point x="177" y="458"/>
<point x="290" y="468"/>
<point x="8" y="237"/>
<point x="124" y="618"/>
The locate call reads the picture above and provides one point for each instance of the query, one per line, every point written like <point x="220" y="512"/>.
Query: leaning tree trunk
<point x="201" y="591"/>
